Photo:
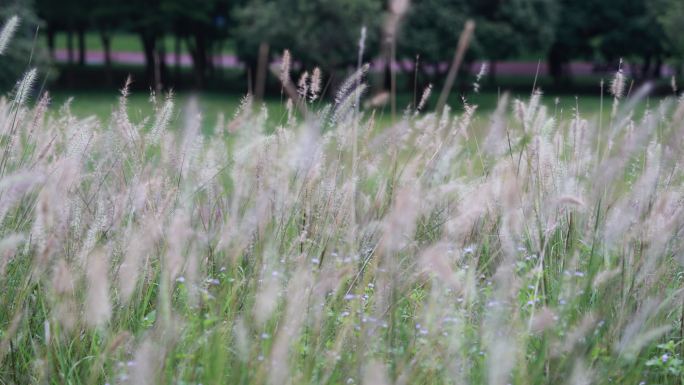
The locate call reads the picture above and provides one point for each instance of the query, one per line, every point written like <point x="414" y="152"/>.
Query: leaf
<point x="654" y="362"/>
<point x="149" y="319"/>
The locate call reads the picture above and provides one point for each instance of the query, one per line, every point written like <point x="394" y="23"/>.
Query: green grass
<point x="520" y="248"/>
<point x="127" y="42"/>
<point x="212" y="104"/>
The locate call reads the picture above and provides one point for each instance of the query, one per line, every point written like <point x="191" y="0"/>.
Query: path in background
<point x="523" y="68"/>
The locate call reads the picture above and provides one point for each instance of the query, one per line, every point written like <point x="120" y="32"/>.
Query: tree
<point x="630" y="30"/>
<point x="318" y="32"/>
<point x="607" y="30"/>
<point x="107" y="18"/>
<point x="150" y="26"/>
<point x="512" y="28"/>
<point x="203" y="25"/>
<point x="669" y="14"/>
<point x="432" y="28"/>
<point x="53" y="15"/>
<point x="575" y="32"/>
<point x="504" y="29"/>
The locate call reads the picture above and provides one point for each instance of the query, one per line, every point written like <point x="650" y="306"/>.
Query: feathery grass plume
<point x="98" y="306"/>
<point x="424" y="98"/>
<point x="399" y="7"/>
<point x="437" y="260"/>
<point x="374" y="373"/>
<point x="315" y="84"/>
<point x="120" y="117"/>
<point x="63" y="287"/>
<point x="7" y="32"/>
<point x="285" y="63"/>
<point x="40" y="111"/>
<point x="146" y="363"/>
<point x="141" y="241"/>
<point x="303" y="85"/>
<point x="347" y="105"/>
<point x="349" y="84"/>
<point x="180" y="232"/>
<point x="162" y="120"/>
<point x="242" y="342"/>
<point x="23" y="88"/>
<point x="289" y="108"/>
<point x="14" y="187"/>
<point x="379" y="100"/>
<point x="532" y="108"/>
<point x="362" y="45"/>
<point x="267" y="296"/>
<point x="298" y="295"/>
<point x="617" y="88"/>
<point x="9" y="246"/>
<point x="483" y="71"/>
<point x="581" y="374"/>
<point x="617" y="85"/>
<point x="242" y="113"/>
<point x="494" y="143"/>
<point x="192" y="139"/>
<point x="466" y="118"/>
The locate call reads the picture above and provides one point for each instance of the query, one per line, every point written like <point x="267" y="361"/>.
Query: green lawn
<point x="212" y="104"/>
<point x="127" y="42"/>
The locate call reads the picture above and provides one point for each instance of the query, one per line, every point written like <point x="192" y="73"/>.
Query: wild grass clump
<point x="519" y="248"/>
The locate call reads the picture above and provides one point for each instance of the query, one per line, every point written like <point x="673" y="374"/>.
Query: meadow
<point x="123" y="42"/>
<point x="214" y="104"/>
<point x="146" y="239"/>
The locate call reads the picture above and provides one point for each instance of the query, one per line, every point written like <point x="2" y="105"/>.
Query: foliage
<point x="504" y="29"/>
<point x="318" y="32"/>
<point x="669" y="14"/>
<point x="668" y="362"/>
<point x="607" y="31"/>
<point x="432" y="28"/>
<point x="326" y="32"/>
<point x="513" y="28"/>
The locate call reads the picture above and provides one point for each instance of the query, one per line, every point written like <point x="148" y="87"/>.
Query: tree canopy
<point x="321" y="32"/>
<point x="326" y="32"/>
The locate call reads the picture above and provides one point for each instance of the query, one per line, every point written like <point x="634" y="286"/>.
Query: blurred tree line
<point x="646" y="33"/>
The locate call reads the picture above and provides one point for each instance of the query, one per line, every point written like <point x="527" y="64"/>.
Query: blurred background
<point x="87" y="48"/>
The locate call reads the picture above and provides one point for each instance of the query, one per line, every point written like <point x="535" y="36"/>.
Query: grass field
<point x="510" y="239"/>
<point x="126" y="42"/>
<point x="213" y="104"/>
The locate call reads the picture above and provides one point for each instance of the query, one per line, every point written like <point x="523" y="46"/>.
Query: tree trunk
<point x="81" y="46"/>
<point x="557" y="61"/>
<point x="107" y="45"/>
<point x="199" y="58"/>
<point x="162" y="67"/>
<point x="658" y="67"/>
<point x="149" y="48"/>
<point x="70" y="46"/>
<point x="261" y="69"/>
<point x="51" y="42"/>
<point x="177" y="57"/>
<point x="646" y="67"/>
